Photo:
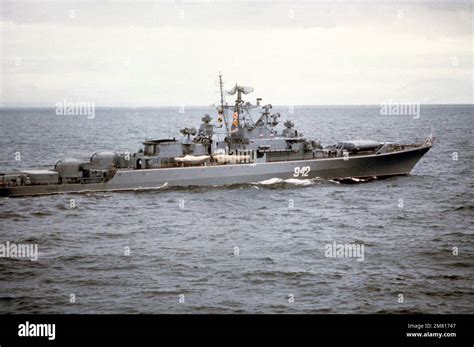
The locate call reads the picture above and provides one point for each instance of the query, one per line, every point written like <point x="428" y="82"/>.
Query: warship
<point x="253" y="150"/>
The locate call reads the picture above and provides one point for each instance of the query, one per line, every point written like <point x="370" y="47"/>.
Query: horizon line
<point x="282" y="105"/>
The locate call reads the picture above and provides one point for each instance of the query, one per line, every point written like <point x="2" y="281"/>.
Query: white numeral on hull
<point x="301" y="171"/>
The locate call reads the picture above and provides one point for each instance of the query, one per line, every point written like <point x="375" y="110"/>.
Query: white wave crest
<point x="294" y="181"/>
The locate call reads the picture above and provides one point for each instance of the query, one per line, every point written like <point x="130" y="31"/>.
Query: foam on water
<point x="294" y="181"/>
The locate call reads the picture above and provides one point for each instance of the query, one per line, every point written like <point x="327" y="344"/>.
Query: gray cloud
<point x="169" y="53"/>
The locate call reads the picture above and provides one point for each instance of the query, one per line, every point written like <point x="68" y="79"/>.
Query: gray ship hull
<point x="368" y="166"/>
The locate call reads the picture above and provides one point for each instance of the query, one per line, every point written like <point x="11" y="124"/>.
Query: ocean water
<point x="256" y="248"/>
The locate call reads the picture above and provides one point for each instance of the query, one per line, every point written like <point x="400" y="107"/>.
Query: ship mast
<point x="222" y="110"/>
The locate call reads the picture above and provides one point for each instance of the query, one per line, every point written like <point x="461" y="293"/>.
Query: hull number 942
<point x="301" y="171"/>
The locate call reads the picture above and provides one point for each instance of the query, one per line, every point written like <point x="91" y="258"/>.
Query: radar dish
<point x="242" y="89"/>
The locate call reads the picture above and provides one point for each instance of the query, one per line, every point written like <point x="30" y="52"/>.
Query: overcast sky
<point x="292" y="52"/>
